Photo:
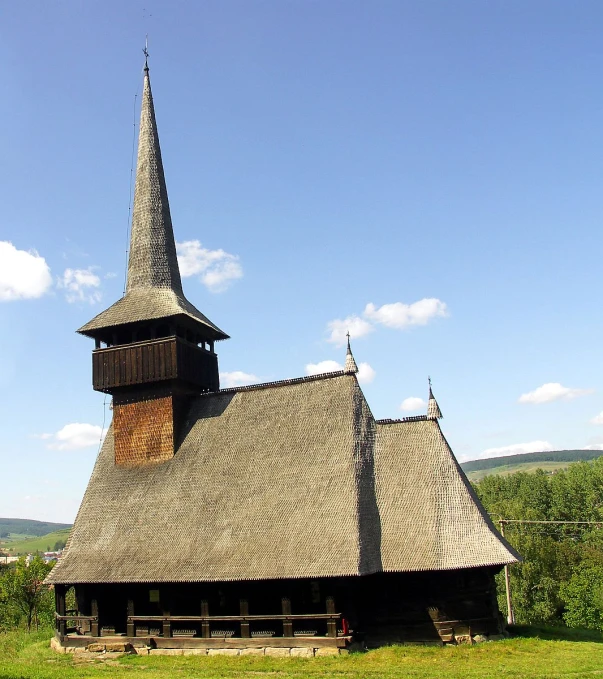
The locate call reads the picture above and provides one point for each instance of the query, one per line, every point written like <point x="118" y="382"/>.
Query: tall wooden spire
<point x="152" y="261"/>
<point x="154" y="288"/>
<point x="159" y="349"/>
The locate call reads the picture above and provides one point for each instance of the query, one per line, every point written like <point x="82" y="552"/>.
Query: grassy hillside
<point x="44" y="543"/>
<point x="532" y="654"/>
<point x="28" y="528"/>
<point x="509" y="464"/>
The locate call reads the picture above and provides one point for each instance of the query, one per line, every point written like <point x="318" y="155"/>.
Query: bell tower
<point x="154" y="349"/>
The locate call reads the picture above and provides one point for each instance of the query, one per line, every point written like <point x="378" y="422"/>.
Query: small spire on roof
<point x="433" y="409"/>
<point x="350" y="367"/>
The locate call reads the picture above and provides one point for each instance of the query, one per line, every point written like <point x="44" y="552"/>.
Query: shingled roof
<point x="287" y="480"/>
<point x="154" y="288"/>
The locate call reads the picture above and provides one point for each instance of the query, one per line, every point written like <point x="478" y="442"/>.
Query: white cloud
<point x="553" y="391"/>
<point x="237" y="378"/>
<point x="23" y="275"/>
<point x="412" y="403"/>
<point x="356" y="326"/>
<point x="366" y="372"/>
<point x="594" y="446"/>
<point x="216" y="269"/>
<point x="399" y="315"/>
<point x="81" y="285"/>
<point x="517" y="449"/>
<point x="323" y="367"/>
<point x="597" y="419"/>
<point x="74" y="436"/>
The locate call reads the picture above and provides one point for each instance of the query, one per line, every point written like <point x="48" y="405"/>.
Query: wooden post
<point x="331" y="624"/>
<point x="167" y="625"/>
<point x="205" y="623"/>
<point x="287" y="624"/>
<point x="59" y="597"/>
<point x="244" y="610"/>
<point x="94" y="625"/>
<point x="510" y="613"/>
<point x="131" y="625"/>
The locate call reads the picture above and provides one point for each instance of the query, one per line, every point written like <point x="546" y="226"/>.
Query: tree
<point x="23" y="586"/>
<point x="583" y="595"/>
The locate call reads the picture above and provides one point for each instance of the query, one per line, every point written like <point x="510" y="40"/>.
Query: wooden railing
<point x="244" y="620"/>
<point x="205" y="624"/>
<point x="63" y="628"/>
<point x="154" y="361"/>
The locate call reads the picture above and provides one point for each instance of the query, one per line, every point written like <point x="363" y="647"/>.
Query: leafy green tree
<point x="552" y="584"/>
<point x="22" y="590"/>
<point x="583" y="596"/>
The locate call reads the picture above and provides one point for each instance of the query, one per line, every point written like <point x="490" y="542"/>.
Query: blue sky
<point x="326" y="161"/>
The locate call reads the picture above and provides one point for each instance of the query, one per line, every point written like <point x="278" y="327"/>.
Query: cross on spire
<point x="145" y="51"/>
<point x="350" y="367"/>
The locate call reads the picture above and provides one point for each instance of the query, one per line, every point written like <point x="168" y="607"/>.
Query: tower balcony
<point x="152" y="361"/>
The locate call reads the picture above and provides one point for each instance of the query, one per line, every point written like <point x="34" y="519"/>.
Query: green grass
<point x="506" y="469"/>
<point x="32" y="545"/>
<point x="532" y="652"/>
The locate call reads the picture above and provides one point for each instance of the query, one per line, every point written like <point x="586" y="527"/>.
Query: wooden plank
<point x="94" y="624"/>
<point x="159" y="362"/>
<point x="59" y="595"/>
<point x="139" y="368"/>
<point x="331" y="624"/>
<point x="255" y="642"/>
<point x="167" y="624"/>
<point x="128" y="366"/>
<point x="131" y="626"/>
<point x="235" y="618"/>
<point x="205" y="630"/>
<point x="244" y="608"/>
<point x="287" y="623"/>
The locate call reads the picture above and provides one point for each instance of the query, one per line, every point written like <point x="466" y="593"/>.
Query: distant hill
<point x="45" y="543"/>
<point x="28" y="527"/>
<point x="528" y="462"/>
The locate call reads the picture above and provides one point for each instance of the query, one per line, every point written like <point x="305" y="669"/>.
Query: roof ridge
<point x="411" y="418"/>
<point x="278" y="383"/>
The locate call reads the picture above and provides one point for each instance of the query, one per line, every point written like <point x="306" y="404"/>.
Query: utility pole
<point x="510" y="614"/>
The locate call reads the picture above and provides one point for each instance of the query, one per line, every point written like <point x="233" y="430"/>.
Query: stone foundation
<point x="119" y="647"/>
<point x="100" y="649"/>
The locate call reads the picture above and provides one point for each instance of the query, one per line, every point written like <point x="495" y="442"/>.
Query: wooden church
<point x="274" y="516"/>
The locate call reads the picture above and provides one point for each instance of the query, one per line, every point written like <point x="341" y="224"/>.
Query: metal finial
<point x="350" y="366"/>
<point x="429" y="380"/>
<point x="145" y="51"/>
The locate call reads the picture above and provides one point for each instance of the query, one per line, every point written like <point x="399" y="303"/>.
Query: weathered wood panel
<point x="154" y="361"/>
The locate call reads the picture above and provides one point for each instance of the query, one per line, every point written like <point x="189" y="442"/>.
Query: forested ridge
<point x="561" y="577"/>
<point x="29" y="527"/>
<point x="528" y="458"/>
